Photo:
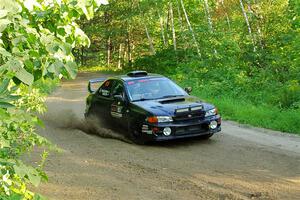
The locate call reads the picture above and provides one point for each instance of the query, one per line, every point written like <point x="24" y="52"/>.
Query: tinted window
<point x="105" y="89"/>
<point x="154" y="88"/>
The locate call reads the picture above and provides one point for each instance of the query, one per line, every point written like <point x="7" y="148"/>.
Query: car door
<point x="119" y="106"/>
<point x="102" y="100"/>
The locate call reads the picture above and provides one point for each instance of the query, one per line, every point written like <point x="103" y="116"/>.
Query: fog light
<point x="167" y="131"/>
<point x="213" y="125"/>
<point x="155" y="130"/>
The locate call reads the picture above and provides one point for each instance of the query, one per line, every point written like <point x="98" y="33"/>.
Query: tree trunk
<point x="147" y="33"/>
<point x="120" y="56"/>
<point x="190" y="27"/>
<point x="129" y="47"/>
<point x="181" y="25"/>
<point x="150" y="40"/>
<point x="108" y="51"/>
<point x="248" y="25"/>
<point x="173" y="29"/>
<point x="161" y="21"/>
<point x="210" y="24"/>
<point x="179" y="15"/>
<point x="167" y="27"/>
<point x="251" y="13"/>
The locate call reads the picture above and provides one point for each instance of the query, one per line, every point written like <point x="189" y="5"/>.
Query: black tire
<point x="135" y="136"/>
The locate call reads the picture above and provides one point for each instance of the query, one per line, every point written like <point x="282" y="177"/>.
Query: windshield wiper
<point x="143" y="99"/>
<point x="169" y="96"/>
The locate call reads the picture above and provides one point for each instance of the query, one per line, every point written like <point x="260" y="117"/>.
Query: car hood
<point x="168" y="106"/>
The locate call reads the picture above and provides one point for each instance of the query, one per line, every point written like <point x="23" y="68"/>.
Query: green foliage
<point x="255" y="62"/>
<point x="36" y="41"/>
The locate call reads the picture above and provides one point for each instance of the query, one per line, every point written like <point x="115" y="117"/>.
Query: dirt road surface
<point x="239" y="163"/>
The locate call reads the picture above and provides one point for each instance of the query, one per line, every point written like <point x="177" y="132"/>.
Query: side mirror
<point x="188" y="90"/>
<point x="118" y="97"/>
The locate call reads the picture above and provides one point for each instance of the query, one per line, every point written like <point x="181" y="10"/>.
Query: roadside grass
<point x="238" y="109"/>
<point x="263" y="116"/>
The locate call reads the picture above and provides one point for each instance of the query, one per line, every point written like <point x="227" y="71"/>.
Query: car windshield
<point x="153" y="88"/>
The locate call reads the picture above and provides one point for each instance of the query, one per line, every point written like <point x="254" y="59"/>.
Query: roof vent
<point x="137" y="73"/>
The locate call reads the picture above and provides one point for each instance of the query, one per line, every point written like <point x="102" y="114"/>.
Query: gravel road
<point x="239" y="163"/>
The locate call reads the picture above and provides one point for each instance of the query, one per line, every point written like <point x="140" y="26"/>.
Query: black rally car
<point x="151" y="107"/>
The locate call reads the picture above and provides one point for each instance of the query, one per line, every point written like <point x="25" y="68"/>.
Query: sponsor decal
<point x="116" y="111"/>
<point x="105" y="92"/>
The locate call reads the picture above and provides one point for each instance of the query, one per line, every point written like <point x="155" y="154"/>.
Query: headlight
<point x="211" y="112"/>
<point x="159" y="119"/>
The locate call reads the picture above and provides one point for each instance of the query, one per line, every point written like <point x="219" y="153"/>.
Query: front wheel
<point x="135" y="136"/>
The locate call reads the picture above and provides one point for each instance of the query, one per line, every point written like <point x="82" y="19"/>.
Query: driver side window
<point x="105" y="89"/>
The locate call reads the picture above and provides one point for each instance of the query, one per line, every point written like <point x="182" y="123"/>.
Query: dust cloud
<point x="67" y="119"/>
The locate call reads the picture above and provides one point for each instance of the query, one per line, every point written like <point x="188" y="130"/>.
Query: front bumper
<point x="186" y="129"/>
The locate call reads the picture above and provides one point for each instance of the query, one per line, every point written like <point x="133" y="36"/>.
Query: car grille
<point x="189" y="116"/>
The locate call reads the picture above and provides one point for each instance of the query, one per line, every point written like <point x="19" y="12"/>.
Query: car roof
<point x="132" y="78"/>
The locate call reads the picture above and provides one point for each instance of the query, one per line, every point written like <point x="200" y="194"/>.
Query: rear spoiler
<point x="94" y="84"/>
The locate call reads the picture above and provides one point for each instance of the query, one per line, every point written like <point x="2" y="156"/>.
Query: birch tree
<point x="190" y="28"/>
<point x="120" y="56"/>
<point x="161" y="22"/>
<point x="248" y="25"/>
<point x="207" y="12"/>
<point x="251" y="13"/>
<point x="209" y="20"/>
<point x="147" y="33"/>
<point x="108" y="50"/>
<point x="172" y="25"/>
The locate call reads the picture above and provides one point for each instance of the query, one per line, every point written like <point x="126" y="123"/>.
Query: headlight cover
<point x="211" y="112"/>
<point x="164" y="119"/>
<point x="159" y="119"/>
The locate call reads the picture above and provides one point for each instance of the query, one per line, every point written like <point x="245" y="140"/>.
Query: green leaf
<point x="33" y="53"/>
<point x="24" y="76"/>
<point x="8" y="98"/>
<point x="38" y="121"/>
<point x="4" y="143"/>
<point x="3" y="114"/>
<point x="39" y="197"/>
<point x="4" y="53"/>
<point x="15" y="196"/>
<point x="56" y="67"/>
<point x="4" y="85"/>
<point x="61" y="31"/>
<point x="3" y="13"/>
<point x="34" y="178"/>
<point x="66" y="48"/>
<point x="3" y="24"/>
<point x="28" y="171"/>
<point x="6" y="105"/>
<point x="11" y="6"/>
<point x="7" y="161"/>
<point x="29" y="65"/>
<point x="71" y="68"/>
